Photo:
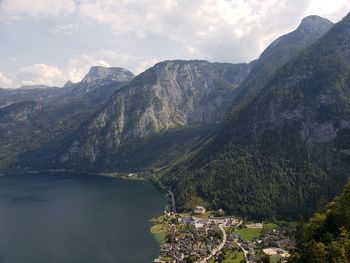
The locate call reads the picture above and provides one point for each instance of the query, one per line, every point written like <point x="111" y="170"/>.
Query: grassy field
<point x="275" y="258"/>
<point x="270" y="226"/>
<point x="159" y="232"/>
<point x="249" y="233"/>
<point x="233" y="257"/>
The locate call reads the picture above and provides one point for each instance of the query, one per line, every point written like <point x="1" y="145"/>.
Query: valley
<point x="243" y="153"/>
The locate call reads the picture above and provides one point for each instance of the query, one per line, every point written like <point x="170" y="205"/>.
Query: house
<point x="274" y="251"/>
<point x="199" y="210"/>
<point x="198" y="225"/>
<point x="188" y="220"/>
<point x="255" y="225"/>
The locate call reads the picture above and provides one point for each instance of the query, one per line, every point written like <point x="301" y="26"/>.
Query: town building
<point x="199" y="210"/>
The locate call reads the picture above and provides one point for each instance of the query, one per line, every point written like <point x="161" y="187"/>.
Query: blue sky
<point x="49" y="42"/>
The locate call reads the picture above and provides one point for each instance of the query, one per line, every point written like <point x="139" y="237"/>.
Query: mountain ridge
<point x="264" y="145"/>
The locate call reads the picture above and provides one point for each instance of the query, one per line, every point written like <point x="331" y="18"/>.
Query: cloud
<point x="66" y="29"/>
<point x="136" y="34"/>
<point x="223" y="30"/>
<point x="16" y="9"/>
<point x="4" y="81"/>
<point x="42" y="74"/>
<point x="333" y="10"/>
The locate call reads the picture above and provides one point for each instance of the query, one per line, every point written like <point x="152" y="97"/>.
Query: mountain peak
<point x="99" y="73"/>
<point x="314" y="23"/>
<point x="68" y="84"/>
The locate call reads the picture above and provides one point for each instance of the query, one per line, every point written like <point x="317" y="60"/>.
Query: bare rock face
<point x="168" y="95"/>
<point x="98" y="73"/>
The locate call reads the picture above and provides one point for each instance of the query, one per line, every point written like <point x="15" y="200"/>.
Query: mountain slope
<point x="47" y="118"/>
<point x="327" y="237"/>
<point x="170" y="99"/>
<point x="170" y="95"/>
<point x="29" y="93"/>
<point x="285" y="148"/>
<point x="280" y="52"/>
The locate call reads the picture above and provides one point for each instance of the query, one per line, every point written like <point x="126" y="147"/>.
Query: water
<point x="66" y="218"/>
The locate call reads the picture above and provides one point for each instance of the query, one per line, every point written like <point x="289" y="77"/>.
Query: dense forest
<point x="327" y="237"/>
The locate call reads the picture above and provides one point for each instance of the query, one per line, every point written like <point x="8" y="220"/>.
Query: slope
<point x="288" y="146"/>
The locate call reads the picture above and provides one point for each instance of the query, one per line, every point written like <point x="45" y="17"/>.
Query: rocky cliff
<point x="171" y="94"/>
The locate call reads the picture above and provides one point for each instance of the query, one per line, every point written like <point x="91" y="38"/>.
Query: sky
<point x="49" y="42"/>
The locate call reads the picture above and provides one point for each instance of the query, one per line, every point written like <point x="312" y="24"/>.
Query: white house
<point x="199" y="210"/>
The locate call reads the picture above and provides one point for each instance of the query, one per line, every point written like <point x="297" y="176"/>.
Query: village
<point x="210" y="236"/>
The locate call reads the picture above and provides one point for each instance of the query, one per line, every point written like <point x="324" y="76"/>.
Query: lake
<point x="77" y="218"/>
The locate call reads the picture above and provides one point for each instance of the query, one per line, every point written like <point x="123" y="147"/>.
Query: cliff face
<point x="171" y="94"/>
<point x="102" y="74"/>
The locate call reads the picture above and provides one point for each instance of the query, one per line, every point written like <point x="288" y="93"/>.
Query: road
<point x="219" y="247"/>
<point x="172" y="200"/>
<point x="245" y="252"/>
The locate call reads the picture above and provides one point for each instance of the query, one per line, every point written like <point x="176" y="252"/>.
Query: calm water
<point x="65" y="218"/>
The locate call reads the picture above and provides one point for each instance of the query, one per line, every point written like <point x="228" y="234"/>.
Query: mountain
<point x="68" y="84"/>
<point x="167" y="98"/>
<point x="152" y="119"/>
<point x="327" y="236"/>
<point x="288" y="145"/>
<point x="42" y="116"/>
<point x="98" y="78"/>
<point x="18" y="125"/>
<point x="171" y="108"/>
<point x="102" y="74"/>
<point x="98" y="84"/>
<point x="29" y="93"/>
<point x="280" y="52"/>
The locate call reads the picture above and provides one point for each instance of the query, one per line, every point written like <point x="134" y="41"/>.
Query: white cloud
<point x="224" y="30"/>
<point x="14" y="9"/>
<point x="42" y="74"/>
<point x="66" y="29"/>
<point x="334" y="10"/>
<point x="136" y="34"/>
<point x="4" y="81"/>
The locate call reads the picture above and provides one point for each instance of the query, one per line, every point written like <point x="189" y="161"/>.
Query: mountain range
<point x="264" y="139"/>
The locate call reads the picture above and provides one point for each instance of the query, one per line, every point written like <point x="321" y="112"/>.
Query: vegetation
<point x="230" y="256"/>
<point x="249" y="234"/>
<point x="272" y="159"/>
<point x="159" y="232"/>
<point x="37" y="129"/>
<point x="326" y="238"/>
